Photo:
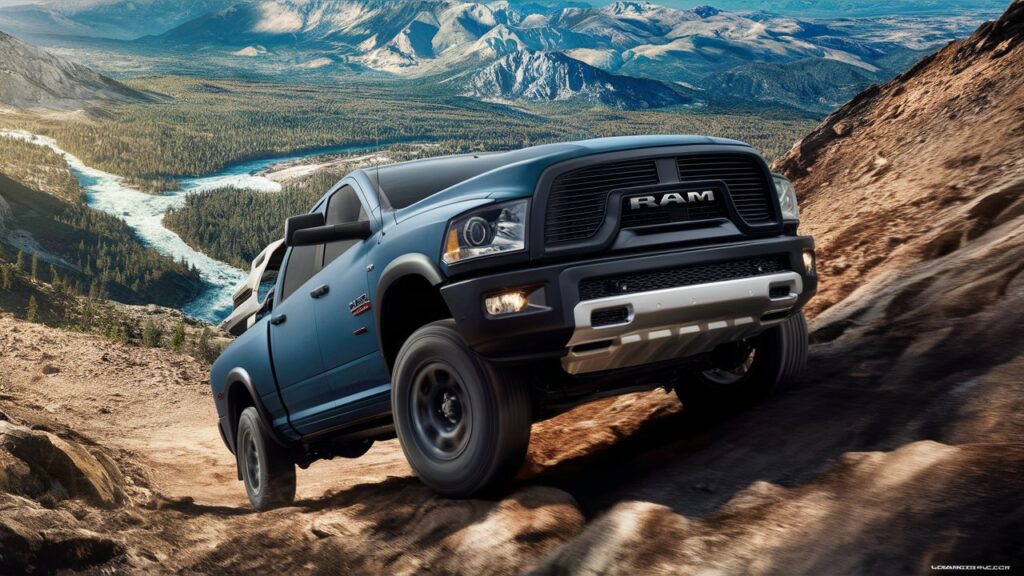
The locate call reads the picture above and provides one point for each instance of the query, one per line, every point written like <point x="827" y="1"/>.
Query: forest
<point x="88" y="251"/>
<point x="234" y="225"/>
<point x="198" y="126"/>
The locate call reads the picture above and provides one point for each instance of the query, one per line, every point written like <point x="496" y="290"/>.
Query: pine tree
<point x="33" y="309"/>
<point x="20" y="261"/>
<point x="6" y="276"/>
<point x="204" y="350"/>
<point x="178" y="340"/>
<point x="150" y="334"/>
<point x="35" y="266"/>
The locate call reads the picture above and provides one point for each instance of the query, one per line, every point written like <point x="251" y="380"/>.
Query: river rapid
<point x="144" y="213"/>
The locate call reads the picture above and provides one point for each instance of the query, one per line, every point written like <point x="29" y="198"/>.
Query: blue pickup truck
<point x="454" y="301"/>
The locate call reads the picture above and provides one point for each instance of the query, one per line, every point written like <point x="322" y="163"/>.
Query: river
<point x="144" y="214"/>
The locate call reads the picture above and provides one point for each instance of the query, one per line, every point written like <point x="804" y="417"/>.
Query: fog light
<point x="506" y="303"/>
<point x="809" y="261"/>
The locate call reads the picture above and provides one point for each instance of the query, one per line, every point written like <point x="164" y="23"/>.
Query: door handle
<point x="320" y="291"/>
<point x="278" y="319"/>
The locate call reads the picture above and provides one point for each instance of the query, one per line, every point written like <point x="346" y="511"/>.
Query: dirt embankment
<point x="903" y="448"/>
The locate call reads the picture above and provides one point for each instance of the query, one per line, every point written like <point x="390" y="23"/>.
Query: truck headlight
<point x="493" y="229"/>
<point x="787" y="198"/>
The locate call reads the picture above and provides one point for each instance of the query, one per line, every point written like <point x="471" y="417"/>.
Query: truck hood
<point x="518" y="179"/>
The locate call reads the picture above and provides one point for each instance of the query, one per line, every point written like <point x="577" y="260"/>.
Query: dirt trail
<point x="853" y="467"/>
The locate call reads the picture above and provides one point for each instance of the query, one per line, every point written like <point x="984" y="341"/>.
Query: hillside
<point x="33" y="78"/>
<point x="43" y="216"/>
<point x="913" y="190"/>
<point x="816" y="85"/>
<point x="554" y="76"/>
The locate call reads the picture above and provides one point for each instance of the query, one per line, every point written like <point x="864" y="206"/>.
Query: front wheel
<point x="464" y="426"/>
<point x="747" y="371"/>
<point x="267" y="470"/>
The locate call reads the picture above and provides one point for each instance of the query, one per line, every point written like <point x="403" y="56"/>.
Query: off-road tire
<point x="779" y="358"/>
<point x="272" y="483"/>
<point x="493" y="405"/>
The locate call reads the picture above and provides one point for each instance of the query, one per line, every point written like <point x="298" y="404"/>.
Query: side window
<point x="300" y="267"/>
<point x="343" y="207"/>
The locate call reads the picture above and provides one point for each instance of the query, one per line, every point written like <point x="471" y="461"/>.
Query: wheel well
<point x="238" y="400"/>
<point x="409" y="303"/>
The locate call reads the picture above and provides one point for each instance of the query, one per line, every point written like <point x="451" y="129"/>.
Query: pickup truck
<point x="454" y="301"/>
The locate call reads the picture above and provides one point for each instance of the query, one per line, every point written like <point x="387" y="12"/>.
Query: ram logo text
<point x="671" y="198"/>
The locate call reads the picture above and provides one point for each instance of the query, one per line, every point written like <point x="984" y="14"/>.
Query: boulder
<point x="38" y="464"/>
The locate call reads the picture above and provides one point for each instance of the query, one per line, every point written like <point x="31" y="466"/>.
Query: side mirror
<point x="301" y="222"/>
<point x="331" y="233"/>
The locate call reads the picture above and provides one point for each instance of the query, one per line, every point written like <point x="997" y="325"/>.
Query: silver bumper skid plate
<point x="678" y="322"/>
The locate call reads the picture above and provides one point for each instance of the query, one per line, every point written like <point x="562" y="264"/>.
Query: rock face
<point x="551" y="76"/>
<point x="33" y="78"/>
<point x="913" y="190"/>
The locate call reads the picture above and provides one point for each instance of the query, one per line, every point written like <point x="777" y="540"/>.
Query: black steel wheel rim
<point x="441" y="418"/>
<point x="251" y="457"/>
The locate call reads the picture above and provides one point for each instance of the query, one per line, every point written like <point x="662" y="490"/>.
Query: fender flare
<point x="240" y="377"/>
<point x="413" y="264"/>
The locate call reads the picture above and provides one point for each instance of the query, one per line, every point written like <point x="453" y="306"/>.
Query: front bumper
<point x="671" y="322"/>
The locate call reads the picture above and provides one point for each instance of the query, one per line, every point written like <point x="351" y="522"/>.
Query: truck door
<point x="298" y="365"/>
<point x="348" y="336"/>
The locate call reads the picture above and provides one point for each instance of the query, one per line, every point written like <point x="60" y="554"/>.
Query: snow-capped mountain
<point x="526" y="75"/>
<point x="454" y="38"/>
<point x="406" y="37"/>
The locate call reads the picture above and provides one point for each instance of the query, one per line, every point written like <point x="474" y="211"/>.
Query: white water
<point x="144" y="214"/>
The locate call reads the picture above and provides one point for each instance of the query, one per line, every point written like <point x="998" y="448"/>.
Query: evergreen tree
<point x="33" y="309"/>
<point x="150" y="334"/>
<point x="35" y="266"/>
<point x="20" y="261"/>
<point x="6" y="271"/>
<point x="178" y="340"/>
<point x="205" y="349"/>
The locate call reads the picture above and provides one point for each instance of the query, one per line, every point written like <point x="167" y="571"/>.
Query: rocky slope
<point x="913" y="190"/>
<point x="33" y="78"/>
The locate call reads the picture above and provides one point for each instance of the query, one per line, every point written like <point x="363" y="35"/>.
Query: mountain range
<point x="704" y="53"/>
<point x="685" y="48"/>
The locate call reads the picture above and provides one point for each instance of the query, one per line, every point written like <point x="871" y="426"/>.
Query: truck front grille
<point x="594" y="288"/>
<point x="576" y="205"/>
<point x="578" y="199"/>
<point x="747" y="182"/>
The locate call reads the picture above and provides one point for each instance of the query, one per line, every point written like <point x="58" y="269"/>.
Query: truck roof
<point x="406" y="183"/>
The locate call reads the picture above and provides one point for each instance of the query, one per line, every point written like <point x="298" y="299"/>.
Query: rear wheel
<point x="747" y="371"/>
<point x="267" y="470"/>
<point x="464" y="426"/>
